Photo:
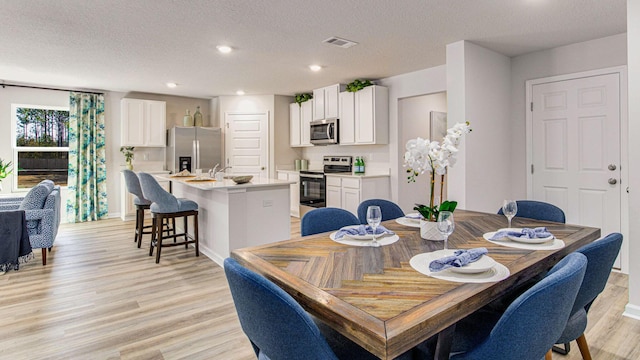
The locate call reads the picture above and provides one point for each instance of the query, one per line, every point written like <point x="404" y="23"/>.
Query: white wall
<point x="478" y="90"/>
<point x="423" y="82"/>
<point x="633" y="28"/>
<point x="589" y="55"/>
<point x="414" y="115"/>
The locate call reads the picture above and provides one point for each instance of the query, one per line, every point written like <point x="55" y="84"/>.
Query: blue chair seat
<point x="390" y="210"/>
<point x="538" y="210"/>
<point x="326" y="219"/>
<point x="182" y="205"/>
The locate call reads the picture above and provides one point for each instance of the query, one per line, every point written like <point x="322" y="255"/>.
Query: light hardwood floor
<point x="100" y="297"/>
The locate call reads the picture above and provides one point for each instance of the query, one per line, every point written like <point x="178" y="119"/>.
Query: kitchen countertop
<point x="372" y="174"/>
<point x="226" y="184"/>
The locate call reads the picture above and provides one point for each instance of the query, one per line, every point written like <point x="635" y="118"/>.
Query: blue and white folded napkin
<point x="459" y="258"/>
<point x="526" y="233"/>
<point x="362" y="230"/>
<point x="413" y="216"/>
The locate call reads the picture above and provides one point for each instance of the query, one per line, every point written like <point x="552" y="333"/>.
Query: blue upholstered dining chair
<point x="326" y="219"/>
<point x="166" y="206"/>
<point x="601" y="255"/>
<point x="529" y="326"/>
<point x="389" y="209"/>
<point x="277" y="326"/>
<point x="538" y="210"/>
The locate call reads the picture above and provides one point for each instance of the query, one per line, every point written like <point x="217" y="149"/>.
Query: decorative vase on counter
<point x="197" y="117"/>
<point x="429" y="230"/>
<point x="129" y="165"/>
<point x="188" y="119"/>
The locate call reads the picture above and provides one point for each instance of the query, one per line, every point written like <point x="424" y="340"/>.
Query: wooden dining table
<point x="374" y="297"/>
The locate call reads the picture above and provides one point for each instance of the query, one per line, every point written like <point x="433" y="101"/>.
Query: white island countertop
<point x="226" y="184"/>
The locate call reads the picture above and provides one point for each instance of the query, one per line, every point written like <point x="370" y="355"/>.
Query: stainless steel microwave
<point x="324" y="132"/>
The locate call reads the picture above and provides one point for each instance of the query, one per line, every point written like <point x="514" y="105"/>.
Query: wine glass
<point x="509" y="209"/>
<point x="374" y="217"/>
<point x="446" y="225"/>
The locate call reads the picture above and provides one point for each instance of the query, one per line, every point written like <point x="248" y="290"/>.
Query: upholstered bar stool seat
<point x="133" y="187"/>
<point x="166" y="206"/>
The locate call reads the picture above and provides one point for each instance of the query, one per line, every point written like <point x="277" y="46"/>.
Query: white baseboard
<point x="632" y="311"/>
<point x="211" y="255"/>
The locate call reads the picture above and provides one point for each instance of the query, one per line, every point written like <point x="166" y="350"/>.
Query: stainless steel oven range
<point x="312" y="182"/>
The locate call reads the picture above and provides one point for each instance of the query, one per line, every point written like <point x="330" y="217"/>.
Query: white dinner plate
<point x="403" y="220"/>
<point x="421" y="263"/>
<point x="531" y="241"/>
<point x="362" y="237"/>
<point x="481" y="265"/>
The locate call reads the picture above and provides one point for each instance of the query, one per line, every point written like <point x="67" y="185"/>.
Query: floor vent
<point x="339" y="42"/>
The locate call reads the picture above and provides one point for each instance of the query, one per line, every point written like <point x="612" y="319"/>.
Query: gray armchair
<point x="42" y="211"/>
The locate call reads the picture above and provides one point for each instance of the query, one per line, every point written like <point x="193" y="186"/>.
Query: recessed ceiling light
<point x="171" y="84"/>
<point x="239" y="92"/>
<point x="315" y="67"/>
<point x="224" y="49"/>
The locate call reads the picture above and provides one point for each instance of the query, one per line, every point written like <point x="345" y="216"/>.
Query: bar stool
<point x="167" y="206"/>
<point x="133" y="187"/>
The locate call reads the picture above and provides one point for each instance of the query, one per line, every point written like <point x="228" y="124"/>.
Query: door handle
<point x="612" y="181"/>
<point x="612" y="167"/>
<point x="262" y="168"/>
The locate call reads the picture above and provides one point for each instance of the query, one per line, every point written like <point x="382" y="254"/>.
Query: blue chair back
<point x="326" y="219"/>
<point x="538" y="210"/>
<point x="601" y="255"/>
<point x="389" y="209"/>
<point x="133" y="186"/>
<point x="534" y="321"/>
<point x="274" y="322"/>
<point x="163" y="202"/>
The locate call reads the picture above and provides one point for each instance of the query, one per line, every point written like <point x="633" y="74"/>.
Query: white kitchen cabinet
<point x="326" y="102"/>
<point x="306" y="114"/>
<point x="372" y="115"/>
<point x="347" y="192"/>
<point x="294" y="189"/>
<point x="127" y="207"/>
<point x="143" y="122"/>
<point x="347" y="118"/>
<point x="294" y="124"/>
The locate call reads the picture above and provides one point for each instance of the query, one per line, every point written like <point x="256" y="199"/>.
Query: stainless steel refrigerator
<point x="193" y="148"/>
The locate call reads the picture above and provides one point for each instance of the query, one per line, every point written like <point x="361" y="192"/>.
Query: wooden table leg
<point x="443" y="346"/>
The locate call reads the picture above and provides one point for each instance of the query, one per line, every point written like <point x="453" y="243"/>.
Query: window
<point x="41" y="148"/>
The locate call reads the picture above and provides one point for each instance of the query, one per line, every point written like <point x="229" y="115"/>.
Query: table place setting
<point x="363" y="235"/>
<point x="466" y="266"/>
<point x="525" y="238"/>
<point x="412" y="220"/>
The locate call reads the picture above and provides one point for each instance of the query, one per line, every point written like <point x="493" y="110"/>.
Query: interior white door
<point x="576" y="149"/>
<point x="247" y="143"/>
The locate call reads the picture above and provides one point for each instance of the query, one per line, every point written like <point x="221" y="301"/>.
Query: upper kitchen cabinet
<point x="364" y="116"/>
<point x="143" y="122"/>
<point x="299" y="123"/>
<point x="347" y="118"/>
<point x="325" y="102"/>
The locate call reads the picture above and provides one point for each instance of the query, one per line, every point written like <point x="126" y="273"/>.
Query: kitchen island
<point x="233" y="216"/>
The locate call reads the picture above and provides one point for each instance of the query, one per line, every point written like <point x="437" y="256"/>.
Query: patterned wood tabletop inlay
<point x="373" y="296"/>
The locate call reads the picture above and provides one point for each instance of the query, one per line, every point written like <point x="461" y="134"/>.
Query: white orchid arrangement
<point x="423" y="155"/>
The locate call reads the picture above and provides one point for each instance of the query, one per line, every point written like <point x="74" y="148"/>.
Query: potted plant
<point x="5" y="170"/>
<point x="127" y="151"/>
<point x="357" y="85"/>
<point x="422" y="156"/>
<point x="300" y="98"/>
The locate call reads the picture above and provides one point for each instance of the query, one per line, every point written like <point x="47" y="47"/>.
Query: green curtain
<point x="87" y="184"/>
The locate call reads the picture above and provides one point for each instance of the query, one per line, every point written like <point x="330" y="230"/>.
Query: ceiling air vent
<point x="343" y="43"/>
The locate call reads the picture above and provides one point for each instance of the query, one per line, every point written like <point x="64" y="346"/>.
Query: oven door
<point x="324" y="132"/>
<point x="312" y="190"/>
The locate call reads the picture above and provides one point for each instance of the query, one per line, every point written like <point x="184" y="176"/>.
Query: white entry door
<point x="576" y="152"/>
<point x="247" y="145"/>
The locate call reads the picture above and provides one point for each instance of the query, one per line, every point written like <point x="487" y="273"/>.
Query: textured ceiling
<point x="139" y="45"/>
